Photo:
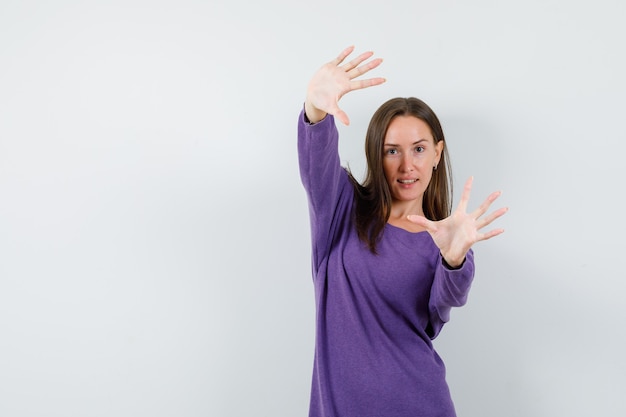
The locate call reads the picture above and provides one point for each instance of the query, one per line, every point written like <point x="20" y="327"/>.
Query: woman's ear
<point x="438" y="151"/>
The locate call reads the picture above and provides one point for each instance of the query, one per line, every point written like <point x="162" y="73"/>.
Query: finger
<point x="343" y="55"/>
<point x="342" y="117"/>
<point x="357" y="61"/>
<point x="422" y="221"/>
<point x="493" y="216"/>
<point x="359" y="84"/>
<point x="360" y="70"/>
<point x="338" y="113"/>
<point x="467" y="190"/>
<point x="490" y="234"/>
<point x="486" y="204"/>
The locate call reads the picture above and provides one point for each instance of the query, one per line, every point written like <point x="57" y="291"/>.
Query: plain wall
<point x="154" y="236"/>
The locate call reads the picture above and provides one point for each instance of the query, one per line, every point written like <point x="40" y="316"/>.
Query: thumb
<point x="342" y="116"/>
<point x="417" y="219"/>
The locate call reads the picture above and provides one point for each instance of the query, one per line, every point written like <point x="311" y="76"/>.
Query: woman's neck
<point x="399" y="212"/>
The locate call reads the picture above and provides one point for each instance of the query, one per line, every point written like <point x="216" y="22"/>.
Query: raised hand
<point x="456" y="234"/>
<point x="333" y="80"/>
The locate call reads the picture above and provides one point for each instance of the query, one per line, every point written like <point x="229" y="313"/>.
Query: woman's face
<point x="409" y="155"/>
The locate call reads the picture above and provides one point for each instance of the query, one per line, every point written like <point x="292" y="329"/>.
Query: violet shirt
<point x="375" y="314"/>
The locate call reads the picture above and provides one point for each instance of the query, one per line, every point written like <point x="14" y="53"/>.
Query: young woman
<point x="390" y="258"/>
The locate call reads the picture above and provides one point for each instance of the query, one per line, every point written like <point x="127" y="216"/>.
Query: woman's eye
<point x="392" y="151"/>
<point x="419" y="149"/>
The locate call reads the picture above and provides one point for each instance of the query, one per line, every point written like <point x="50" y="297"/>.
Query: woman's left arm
<point x="450" y="289"/>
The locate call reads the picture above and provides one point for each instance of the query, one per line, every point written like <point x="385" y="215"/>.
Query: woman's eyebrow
<point x="414" y="143"/>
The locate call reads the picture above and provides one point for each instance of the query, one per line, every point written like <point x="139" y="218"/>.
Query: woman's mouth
<point x="408" y="181"/>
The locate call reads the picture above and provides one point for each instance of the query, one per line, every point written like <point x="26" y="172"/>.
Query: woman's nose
<point x="406" y="164"/>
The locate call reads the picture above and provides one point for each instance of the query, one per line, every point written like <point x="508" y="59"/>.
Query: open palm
<point x="333" y="80"/>
<point x="456" y="234"/>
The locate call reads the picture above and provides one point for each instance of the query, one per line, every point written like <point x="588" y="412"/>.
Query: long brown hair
<point x="373" y="197"/>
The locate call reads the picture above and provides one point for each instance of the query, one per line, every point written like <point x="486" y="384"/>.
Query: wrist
<point x="453" y="263"/>
<point x="312" y="113"/>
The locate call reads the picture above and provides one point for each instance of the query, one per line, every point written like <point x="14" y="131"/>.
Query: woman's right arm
<point x="326" y="182"/>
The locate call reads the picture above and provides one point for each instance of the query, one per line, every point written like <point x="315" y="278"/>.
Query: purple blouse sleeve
<point x="450" y="289"/>
<point x="325" y="180"/>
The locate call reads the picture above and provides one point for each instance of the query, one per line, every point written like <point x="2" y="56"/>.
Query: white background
<point x="154" y="237"/>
